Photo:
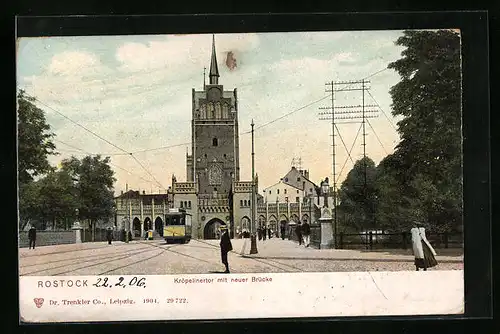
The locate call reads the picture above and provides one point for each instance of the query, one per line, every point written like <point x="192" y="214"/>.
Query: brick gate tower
<point x="214" y="162"/>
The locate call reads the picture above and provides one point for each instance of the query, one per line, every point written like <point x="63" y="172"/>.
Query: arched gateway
<point x="212" y="229"/>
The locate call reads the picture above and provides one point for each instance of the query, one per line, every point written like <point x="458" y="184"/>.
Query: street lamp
<point x="253" y="238"/>
<point x="324" y="189"/>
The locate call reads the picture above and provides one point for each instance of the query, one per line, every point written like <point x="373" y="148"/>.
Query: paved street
<point x="155" y="257"/>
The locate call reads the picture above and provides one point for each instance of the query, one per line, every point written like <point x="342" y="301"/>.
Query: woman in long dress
<point x="425" y="255"/>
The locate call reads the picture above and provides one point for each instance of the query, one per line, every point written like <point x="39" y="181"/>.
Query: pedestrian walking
<point x="422" y="249"/>
<point x="269" y="232"/>
<point x="298" y="232"/>
<point x="32" y="236"/>
<point x="264" y="233"/>
<point x="306" y="231"/>
<point x="109" y="235"/>
<point x="225" y="246"/>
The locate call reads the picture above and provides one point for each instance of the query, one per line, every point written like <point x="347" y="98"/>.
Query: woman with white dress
<point x="422" y="249"/>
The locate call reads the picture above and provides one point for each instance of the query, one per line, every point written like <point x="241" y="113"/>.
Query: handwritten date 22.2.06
<point x="135" y="281"/>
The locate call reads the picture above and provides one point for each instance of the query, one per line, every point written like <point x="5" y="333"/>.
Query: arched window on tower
<point x="225" y="113"/>
<point x="215" y="142"/>
<point x="218" y="110"/>
<point x="203" y="111"/>
<point x="210" y="110"/>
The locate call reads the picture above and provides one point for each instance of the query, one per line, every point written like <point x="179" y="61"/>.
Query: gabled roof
<point x="281" y="181"/>
<point x="301" y="175"/>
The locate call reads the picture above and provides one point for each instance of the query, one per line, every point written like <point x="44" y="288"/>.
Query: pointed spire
<point x="214" y="69"/>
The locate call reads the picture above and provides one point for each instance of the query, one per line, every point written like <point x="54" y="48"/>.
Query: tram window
<point x="175" y="220"/>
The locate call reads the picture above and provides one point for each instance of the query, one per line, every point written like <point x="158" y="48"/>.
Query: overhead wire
<point x="375" y="133"/>
<point x="111" y="163"/>
<point x="354" y="142"/>
<point x="98" y="136"/>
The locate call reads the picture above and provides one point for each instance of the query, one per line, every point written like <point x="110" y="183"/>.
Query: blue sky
<point x="135" y="91"/>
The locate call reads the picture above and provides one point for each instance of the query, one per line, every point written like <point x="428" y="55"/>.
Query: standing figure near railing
<point x="422" y="249"/>
<point x="298" y="231"/>
<point x="32" y="236"/>
<point x="306" y="231"/>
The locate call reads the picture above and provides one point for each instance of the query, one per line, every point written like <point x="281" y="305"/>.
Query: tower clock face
<point x="215" y="174"/>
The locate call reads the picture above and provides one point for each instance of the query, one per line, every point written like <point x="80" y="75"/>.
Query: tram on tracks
<point x="178" y="226"/>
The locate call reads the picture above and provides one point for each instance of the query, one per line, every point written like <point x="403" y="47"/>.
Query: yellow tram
<point x="178" y="226"/>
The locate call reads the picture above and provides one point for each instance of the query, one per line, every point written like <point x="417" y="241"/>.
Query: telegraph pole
<point x="253" y="238"/>
<point x="348" y="114"/>
<point x="364" y="131"/>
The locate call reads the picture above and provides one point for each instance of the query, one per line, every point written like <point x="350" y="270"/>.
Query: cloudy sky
<point x="135" y="92"/>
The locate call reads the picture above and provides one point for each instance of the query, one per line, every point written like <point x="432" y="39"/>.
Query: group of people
<point x="264" y="232"/>
<point x="303" y="232"/>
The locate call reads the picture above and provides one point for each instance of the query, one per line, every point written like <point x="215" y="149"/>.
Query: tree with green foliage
<point x="58" y="199"/>
<point x="34" y="146"/>
<point x="34" y="139"/>
<point x="426" y="167"/>
<point x="94" y="181"/>
<point x="358" y="199"/>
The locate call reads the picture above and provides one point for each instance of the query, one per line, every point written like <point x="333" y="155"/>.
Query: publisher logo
<point x="38" y="302"/>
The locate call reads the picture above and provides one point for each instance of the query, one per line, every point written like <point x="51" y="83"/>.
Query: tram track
<point x="264" y="261"/>
<point x="67" y="251"/>
<point x="76" y="258"/>
<point x="108" y="260"/>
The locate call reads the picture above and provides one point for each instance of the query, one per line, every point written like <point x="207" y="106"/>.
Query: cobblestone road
<point x="155" y="257"/>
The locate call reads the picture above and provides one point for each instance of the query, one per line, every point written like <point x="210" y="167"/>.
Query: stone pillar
<point x="78" y="232"/>
<point x="326" y="233"/>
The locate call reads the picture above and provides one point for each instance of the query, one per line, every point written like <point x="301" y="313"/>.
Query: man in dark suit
<point x="225" y="246"/>
<point x="109" y="235"/>
<point x="32" y="236"/>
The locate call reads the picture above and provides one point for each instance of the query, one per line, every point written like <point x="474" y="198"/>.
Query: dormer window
<point x="215" y="142"/>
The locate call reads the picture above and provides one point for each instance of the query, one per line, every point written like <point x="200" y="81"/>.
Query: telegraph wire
<point x="387" y="117"/>
<point x="374" y="74"/>
<point x="95" y="134"/>
<point x="76" y="123"/>
<point x="85" y="152"/>
<point x="345" y="146"/>
<point x="79" y="149"/>
<point x="377" y="136"/>
<point x="160" y="148"/>
<point x="288" y="114"/>
<point x="176" y="145"/>
<point x="147" y="171"/>
<point x="353" y="143"/>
